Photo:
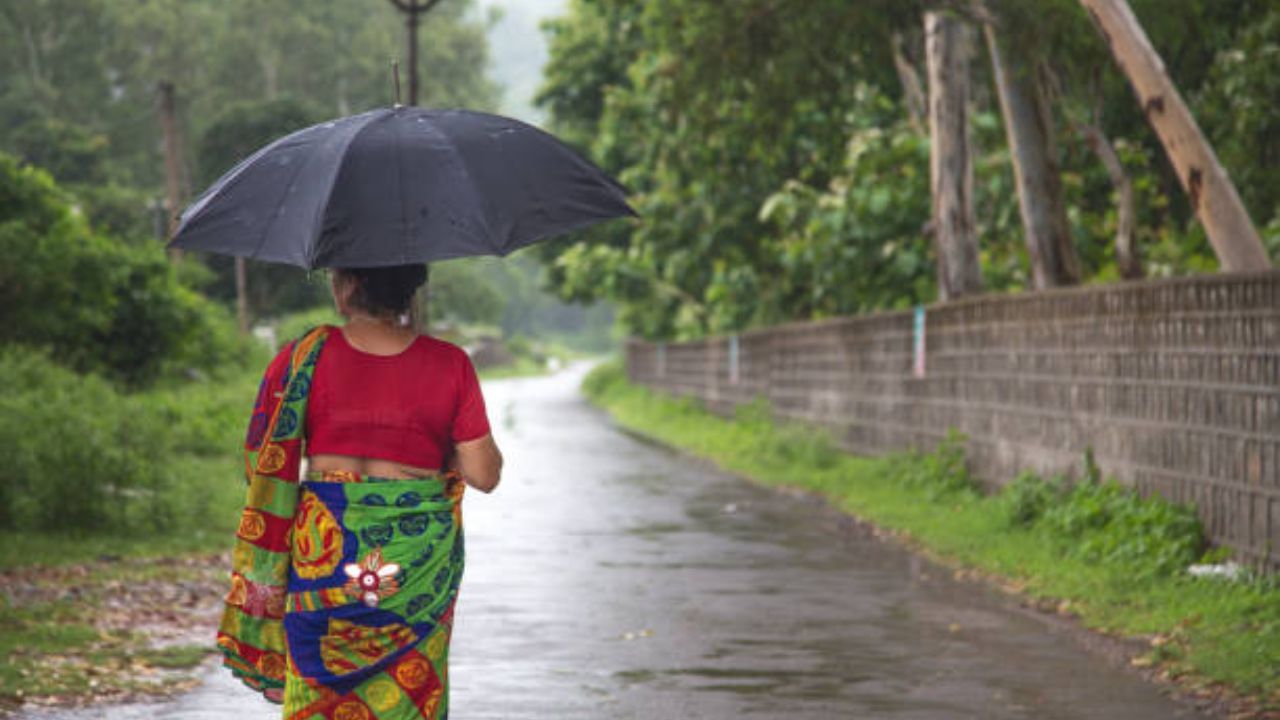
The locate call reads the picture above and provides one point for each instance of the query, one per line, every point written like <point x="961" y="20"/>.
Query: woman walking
<point x="344" y="579"/>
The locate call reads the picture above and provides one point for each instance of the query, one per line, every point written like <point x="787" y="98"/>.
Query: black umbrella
<point x="400" y="185"/>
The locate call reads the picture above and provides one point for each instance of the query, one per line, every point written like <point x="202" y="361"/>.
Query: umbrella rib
<point x="293" y="180"/>
<point x="462" y="167"/>
<point x="321" y="208"/>
<point x="406" y="241"/>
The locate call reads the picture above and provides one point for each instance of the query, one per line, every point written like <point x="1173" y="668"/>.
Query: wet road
<point x="608" y="579"/>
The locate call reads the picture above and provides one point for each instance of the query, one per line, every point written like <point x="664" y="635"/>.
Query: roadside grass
<point x="80" y="607"/>
<point x="521" y="367"/>
<point x="1094" y="550"/>
<point x="192" y="452"/>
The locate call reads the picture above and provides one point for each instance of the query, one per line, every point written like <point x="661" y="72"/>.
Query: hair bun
<point x="387" y="290"/>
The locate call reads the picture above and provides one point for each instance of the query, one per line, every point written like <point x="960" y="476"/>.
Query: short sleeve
<point x="469" y="421"/>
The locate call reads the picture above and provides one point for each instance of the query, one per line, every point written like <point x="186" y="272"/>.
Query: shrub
<point x="80" y="456"/>
<point x="1025" y="500"/>
<point x="96" y="304"/>
<point x="938" y="473"/>
<point x="1103" y="521"/>
<point x="85" y="457"/>
<point x="1108" y="522"/>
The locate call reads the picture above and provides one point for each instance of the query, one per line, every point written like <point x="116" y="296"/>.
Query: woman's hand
<point x="479" y="462"/>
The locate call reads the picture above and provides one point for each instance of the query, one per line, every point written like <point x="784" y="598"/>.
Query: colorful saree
<point x="343" y="586"/>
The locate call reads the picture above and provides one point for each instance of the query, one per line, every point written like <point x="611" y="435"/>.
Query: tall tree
<point x="1028" y="123"/>
<point x="948" y="43"/>
<point x="1210" y="191"/>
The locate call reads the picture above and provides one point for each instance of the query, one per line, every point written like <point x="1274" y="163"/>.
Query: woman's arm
<point x="479" y="462"/>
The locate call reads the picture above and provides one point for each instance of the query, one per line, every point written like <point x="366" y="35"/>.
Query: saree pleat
<point x="343" y="586"/>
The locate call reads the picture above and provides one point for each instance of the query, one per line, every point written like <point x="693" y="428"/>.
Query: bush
<point x="1108" y="522"/>
<point x="939" y="473"/>
<point x="80" y="454"/>
<point x="1104" y="521"/>
<point x="85" y="457"/>
<point x="603" y="379"/>
<point x="1025" y="500"/>
<point x="96" y="304"/>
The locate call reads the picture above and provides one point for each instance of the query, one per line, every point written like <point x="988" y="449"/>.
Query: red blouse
<point x="411" y="408"/>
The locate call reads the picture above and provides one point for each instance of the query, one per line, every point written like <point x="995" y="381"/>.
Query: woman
<point x="344" y="580"/>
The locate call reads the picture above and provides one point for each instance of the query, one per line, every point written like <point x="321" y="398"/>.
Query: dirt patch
<point x="109" y="631"/>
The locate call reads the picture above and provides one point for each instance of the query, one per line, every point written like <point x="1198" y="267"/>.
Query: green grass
<point x="58" y="581"/>
<point x="521" y="367"/>
<point x="1116" y="573"/>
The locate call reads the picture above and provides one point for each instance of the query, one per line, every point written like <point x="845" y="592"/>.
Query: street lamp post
<point x="413" y="11"/>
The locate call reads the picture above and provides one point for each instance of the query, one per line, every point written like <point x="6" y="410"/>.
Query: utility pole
<point x="174" y="173"/>
<point x="413" y="11"/>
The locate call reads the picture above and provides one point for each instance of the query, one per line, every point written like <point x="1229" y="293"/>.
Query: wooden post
<point x="1028" y="124"/>
<point x="947" y="47"/>
<point x="172" y="161"/>
<point x="1215" y="200"/>
<point x="242" y="295"/>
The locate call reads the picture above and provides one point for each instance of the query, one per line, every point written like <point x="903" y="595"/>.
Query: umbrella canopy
<point x="400" y="185"/>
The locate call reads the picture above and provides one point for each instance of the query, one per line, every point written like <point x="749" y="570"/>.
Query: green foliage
<point x="71" y="467"/>
<point x="1024" y="500"/>
<point x="96" y="304"/>
<point x="237" y="131"/>
<point x="792" y="444"/>
<point x="121" y="211"/>
<point x="87" y="458"/>
<point x="69" y="152"/>
<point x="244" y="126"/>
<point x="1238" y="103"/>
<point x="96" y="64"/>
<point x="859" y="245"/>
<point x="1099" y="520"/>
<point x="778" y="176"/>
<point x="718" y="108"/>
<point x="604" y="382"/>
<point x="460" y="292"/>
<point x="1111" y="523"/>
<point x="938" y="474"/>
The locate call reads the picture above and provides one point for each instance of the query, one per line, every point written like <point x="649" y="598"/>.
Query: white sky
<point x="518" y="50"/>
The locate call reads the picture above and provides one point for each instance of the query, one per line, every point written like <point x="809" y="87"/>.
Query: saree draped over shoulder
<point x="342" y="586"/>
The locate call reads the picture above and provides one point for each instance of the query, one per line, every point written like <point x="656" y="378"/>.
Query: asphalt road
<point x="608" y="579"/>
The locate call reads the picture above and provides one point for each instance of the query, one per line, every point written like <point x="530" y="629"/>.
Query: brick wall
<point x="1175" y="384"/>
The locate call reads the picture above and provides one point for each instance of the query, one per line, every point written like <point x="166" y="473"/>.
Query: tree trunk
<point x="1214" y="198"/>
<point x="1029" y="125"/>
<point x="172" y="160"/>
<point x="947" y="47"/>
<point x="1127" y="258"/>
<point x="909" y="77"/>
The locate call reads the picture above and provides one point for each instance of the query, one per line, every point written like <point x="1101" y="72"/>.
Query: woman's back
<point x="409" y="408"/>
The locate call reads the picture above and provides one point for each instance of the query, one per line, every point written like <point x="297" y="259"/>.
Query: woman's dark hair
<point x="384" y="290"/>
